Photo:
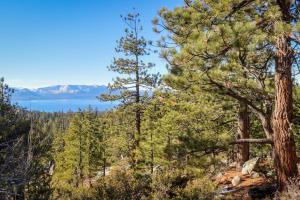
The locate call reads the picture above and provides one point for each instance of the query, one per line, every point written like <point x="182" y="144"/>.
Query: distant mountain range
<point x="60" y="92"/>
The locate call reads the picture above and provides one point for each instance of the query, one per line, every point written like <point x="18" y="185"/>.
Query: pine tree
<point x="14" y="159"/>
<point x="243" y="133"/>
<point x="285" y="56"/>
<point x="221" y="53"/>
<point x="69" y="159"/>
<point x="135" y="78"/>
<point x="223" y="40"/>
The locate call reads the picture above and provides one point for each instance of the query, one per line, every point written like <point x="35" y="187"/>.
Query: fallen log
<point x="252" y="140"/>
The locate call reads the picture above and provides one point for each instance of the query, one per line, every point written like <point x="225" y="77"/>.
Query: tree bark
<point x="137" y="114"/>
<point x="137" y="135"/>
<point x="152" y="153"/>
<point x="285" y="153"/>
<point x="243" y="133"/>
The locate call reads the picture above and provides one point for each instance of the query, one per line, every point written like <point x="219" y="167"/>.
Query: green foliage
<point x="123" y="185"/>
<point x="187" y="128"/>
<point x="133" y="70"/>
<point x="222" y="51"/>
<point x="296" y="121"/>
<point x="14" y="129"/>
<point x="198" y="189"/>
<point x="131" y="88"/>
<point x="178" y="184"/>
<point x="78" y="155"/>
<point x="165" y="143"/>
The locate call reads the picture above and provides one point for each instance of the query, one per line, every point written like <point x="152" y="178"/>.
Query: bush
<point x="177" y="185"/>
<point x="200" y="188"/>
<point x="123" y="184"/>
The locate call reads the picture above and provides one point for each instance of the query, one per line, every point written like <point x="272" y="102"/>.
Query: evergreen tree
<point x="69" y="160"/>
<point x="135" y="78"/>
<point x="223" y="40"/>
<point x="285" y="57"/>
<point x="40" y="160"/>
<point x="220" y="57"/>
<point x="14" y="159"/>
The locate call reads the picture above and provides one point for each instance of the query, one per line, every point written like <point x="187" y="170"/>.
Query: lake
<point x="64" y="105"/>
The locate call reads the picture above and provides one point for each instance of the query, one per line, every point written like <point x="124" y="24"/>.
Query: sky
<point x="53" y="42"/>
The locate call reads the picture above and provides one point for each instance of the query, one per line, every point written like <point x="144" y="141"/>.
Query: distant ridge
<point x="59" y="92"/>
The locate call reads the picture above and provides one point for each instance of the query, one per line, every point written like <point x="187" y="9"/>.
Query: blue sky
<point x="49" y="42"/>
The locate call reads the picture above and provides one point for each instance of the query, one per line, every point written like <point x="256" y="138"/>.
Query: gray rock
<point x="227" y="190"/>
<point x="51" y="170"/>
<point x="232" y="164"/>
<point x="270" y="173"/>
<point x="219" y="175"/>
<point x="236" y="180"/>
<point x="244" y="171"/>
<point x="249" y="166"/>
<point x="254" y="174"/>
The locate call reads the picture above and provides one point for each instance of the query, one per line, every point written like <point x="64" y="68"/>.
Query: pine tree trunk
<point x="285" y="153"/>
<point x="137" y="135"/>
<point x="152" y="153"/>
<point x="243" y="133"/>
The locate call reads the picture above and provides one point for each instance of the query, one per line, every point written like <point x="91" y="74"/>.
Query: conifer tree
<point x="68" y="174"/>
<point x="223" y="40"/>
<point x="221" y="54"/>
<point x="14" y="159"/>
<point x="285" y="58"/>
<point x="135" y="79"/>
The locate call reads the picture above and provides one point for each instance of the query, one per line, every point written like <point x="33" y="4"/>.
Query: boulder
<point x="254" y="174"/>
<point x="244" y="171"/>
<point x="236" y="180"/>
<point x="249" y="166"/>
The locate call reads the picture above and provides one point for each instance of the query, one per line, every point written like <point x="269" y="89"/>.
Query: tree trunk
<point x="152" y="153"/>
<point x="243" y="133"/>
<point x="137" y="135"/>
<point x="285" y="153"/>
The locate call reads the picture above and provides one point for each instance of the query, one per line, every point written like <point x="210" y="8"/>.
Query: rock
<point x="254" y="174"/>
<point x="270" y="173"/>
<point x="219" y="175"/>
<point x="224" y="161"/>
<point x="236" y="180"/>
<point x="232" y="164"/>
<point x="249" y="166"/>
<point x="244" y="171"/>
<point x="226" y="190"/>
<point x="51" y="170"/>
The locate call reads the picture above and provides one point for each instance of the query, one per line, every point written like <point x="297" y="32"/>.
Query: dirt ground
<point x="241" y="191"/>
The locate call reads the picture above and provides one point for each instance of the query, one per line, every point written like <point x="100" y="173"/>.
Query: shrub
<point x="123" y="185"/>
<point x="175" y="184"/>
<point x="200" y="188"/>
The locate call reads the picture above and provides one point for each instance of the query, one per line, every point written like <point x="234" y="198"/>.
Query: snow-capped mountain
<point x="60" y="92"/>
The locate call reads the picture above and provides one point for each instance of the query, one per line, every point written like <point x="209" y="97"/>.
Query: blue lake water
<point x="64" y="105"/>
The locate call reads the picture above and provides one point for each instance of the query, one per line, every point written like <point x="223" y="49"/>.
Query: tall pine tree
<point x="223" y="40"/>
<point x="130" y="88"/>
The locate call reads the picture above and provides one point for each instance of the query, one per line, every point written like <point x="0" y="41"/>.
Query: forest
<point x="222" y="123"/>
